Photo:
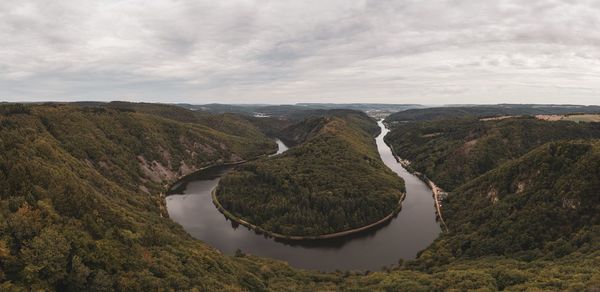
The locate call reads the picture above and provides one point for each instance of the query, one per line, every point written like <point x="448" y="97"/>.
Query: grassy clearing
<point x="585" y="118"/>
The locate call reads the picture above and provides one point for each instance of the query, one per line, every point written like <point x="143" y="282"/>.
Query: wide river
<point x="412" y="230"/>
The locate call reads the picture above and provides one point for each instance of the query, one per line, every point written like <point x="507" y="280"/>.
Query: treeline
<point x="333" y="181"/>
<point x="479" y="111"/>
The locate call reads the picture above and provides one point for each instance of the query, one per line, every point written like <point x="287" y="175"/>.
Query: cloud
<point x="432" y="52"/>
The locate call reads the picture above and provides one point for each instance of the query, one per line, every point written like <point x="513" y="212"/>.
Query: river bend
<point x="412" y="230"/>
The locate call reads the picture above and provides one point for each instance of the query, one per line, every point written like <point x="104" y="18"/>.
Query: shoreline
<point x="169" y="185"/>
<point x="275" y="235"/>
<point x="435" y="190"/>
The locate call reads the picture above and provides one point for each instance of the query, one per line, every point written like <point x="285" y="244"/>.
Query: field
<point x="583" y="118"/>
<point x="586" y="118"/>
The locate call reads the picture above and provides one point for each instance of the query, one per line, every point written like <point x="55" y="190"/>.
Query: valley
<point x="83" y="206"/>
<point x="407" y="233"/>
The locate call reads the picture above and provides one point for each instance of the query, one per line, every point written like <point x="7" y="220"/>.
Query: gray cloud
<point x="432" y="52"/>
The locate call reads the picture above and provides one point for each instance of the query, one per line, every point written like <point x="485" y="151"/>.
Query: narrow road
<point x="437" y="198"/>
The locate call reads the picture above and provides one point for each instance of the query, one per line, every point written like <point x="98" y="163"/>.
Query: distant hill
<point x="366" y="107"/>
<point x="261" y="110"/>
<point x="438" y="113"/>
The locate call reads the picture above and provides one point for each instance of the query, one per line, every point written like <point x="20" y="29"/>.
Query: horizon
<point x="307" y="103"/>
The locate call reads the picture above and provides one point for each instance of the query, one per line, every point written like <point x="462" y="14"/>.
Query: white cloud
<point x="545" y="51"/>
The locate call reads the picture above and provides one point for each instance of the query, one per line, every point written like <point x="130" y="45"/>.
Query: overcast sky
<point x="243" y="51"/>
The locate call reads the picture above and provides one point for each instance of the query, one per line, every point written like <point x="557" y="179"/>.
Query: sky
<point x="279" y="51"/>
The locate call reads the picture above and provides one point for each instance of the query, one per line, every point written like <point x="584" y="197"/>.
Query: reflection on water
<point x="413" y="229"/>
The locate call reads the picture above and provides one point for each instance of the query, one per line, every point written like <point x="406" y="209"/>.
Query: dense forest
<point x="454" y="151"/>
<point x="78" y="212"/>
<point x="526" y="224"/>
<point x="332" y="181"/>
<point x="80" y="198"/>
<point x="508" y="210"/>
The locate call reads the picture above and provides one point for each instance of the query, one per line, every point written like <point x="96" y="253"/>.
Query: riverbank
<point x="256" y="228"/>
<point x="170" y="186"/>
<point x="435" y="190"/>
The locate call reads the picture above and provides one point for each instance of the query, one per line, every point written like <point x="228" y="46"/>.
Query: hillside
<point x="333" y="181"/>
<point x="312" y="122"/>
<point x="525" y="225"/>
<point x="229" y="123"/>
<point x="80" y="203"/>
<point x="529" y="215"/>
<point x="449" y="112"/>
<point x="530" y="204"/>
<point x="452" y="152"/>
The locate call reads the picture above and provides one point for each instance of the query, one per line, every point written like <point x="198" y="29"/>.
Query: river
<point x="412" y="230"/>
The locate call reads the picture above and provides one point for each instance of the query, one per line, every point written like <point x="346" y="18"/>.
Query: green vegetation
<point x="452" y="152"/>
<point x="333" y="181"/>
<point x="530" y="207"/>
<point x="520" y="216"/>
<point x="526" y="224"/>
<point x="78" y="212"/>
<point x="575" y="272"/>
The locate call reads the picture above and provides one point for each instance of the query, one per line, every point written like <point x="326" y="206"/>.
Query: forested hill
<point x="532" y="223"/>
<point x="439" y="113"/>
<point x="545" y="201"/>
<point x="312" y="122"/>
<point x="334" y="180"/>
<point x="229" y="123"/>
<point x="454" y="151"/>
<point x="79" y="200"/>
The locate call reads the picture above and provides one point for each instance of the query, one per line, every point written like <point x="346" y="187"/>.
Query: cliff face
<point x="549" y="194"/>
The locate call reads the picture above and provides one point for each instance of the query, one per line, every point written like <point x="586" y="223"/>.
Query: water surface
<point x="412" y="230"/>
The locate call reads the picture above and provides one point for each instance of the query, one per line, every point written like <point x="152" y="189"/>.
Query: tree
<point x="47" y="257"/>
